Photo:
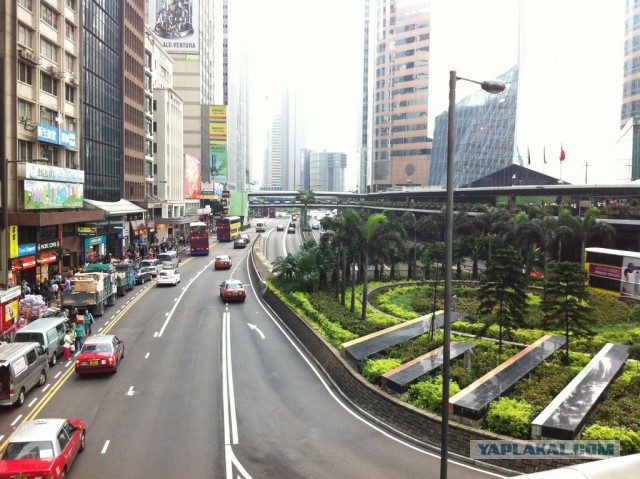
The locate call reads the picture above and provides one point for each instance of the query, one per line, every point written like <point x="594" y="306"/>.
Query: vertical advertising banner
<point x="218" y="141"/>
<point x="192" y="177"/>
<point x="176" y="23"/>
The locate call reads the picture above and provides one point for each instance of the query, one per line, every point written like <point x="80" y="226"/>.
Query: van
<point x="48" y="333"/>
<point x="169" y="260"/>
<point x="23" y="366"/>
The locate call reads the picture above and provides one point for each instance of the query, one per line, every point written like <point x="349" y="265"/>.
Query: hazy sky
<point x="576" y="47"/>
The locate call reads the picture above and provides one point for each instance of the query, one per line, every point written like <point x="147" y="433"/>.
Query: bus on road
<point x="228" y="229"/>
<point x="199" y="238"/>
<point x="613" y="271"/>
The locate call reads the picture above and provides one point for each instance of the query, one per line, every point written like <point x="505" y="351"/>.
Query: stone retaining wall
<point x="383" y="408"/>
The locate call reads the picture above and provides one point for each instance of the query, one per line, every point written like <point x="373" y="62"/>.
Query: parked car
<point x="291" y="230"/>
<point x="222" y="262"/>
<point x="315" y="226"/>
<point x="145" y="274"/>
<point x="280" y="228"/>
<point x="101" y="353"/>
<point x="232" y="290"/>
<point x="155" y="263"/>
<point x="168" y="276"/>
<point x="245" y="237"/>
<point x="239" y="243"/>
<point x="43" y="448"/>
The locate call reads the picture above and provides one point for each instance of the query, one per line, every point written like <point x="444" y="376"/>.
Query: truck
<point x="125" y="277"/>
<point x="92" y="290"/>
<point x="9" y="310"/>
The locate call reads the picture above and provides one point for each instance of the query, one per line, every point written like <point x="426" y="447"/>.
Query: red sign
<point x="48" y="257"/>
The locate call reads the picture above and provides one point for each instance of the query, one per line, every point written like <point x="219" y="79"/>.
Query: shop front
<point x="95" y="249"/>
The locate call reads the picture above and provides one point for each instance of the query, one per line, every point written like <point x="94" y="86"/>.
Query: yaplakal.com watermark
<point x="544" y="449"/>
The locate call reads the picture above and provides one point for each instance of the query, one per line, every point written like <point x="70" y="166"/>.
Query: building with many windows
<point x="400" y="146"/>
<point x="326" y="171"/>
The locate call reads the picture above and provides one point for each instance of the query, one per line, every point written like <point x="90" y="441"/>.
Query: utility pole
<point x="586" y="169"/>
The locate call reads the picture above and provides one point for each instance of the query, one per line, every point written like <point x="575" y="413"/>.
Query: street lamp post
<point x="490" y="87"/>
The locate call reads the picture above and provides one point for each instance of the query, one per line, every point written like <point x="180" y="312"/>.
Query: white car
<point x="168" y="276"/>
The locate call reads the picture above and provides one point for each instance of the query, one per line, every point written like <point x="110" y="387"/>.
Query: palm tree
<point x="592" y="229"/>
<point x="370" y="237"/>
<point x="493" y="221"/>
<point x="306" y="197"/>
<point x="410" y="224"/>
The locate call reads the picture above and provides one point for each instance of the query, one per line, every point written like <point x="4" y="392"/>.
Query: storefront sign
<point x="34" y="171"/>
<point x="23" y="263"/>
<point x="58" y="136"/>
<point x="13" y="241"/>
<point x="49" y="245"/>
<point x="87" y="231"/>
<point x="26" y="249"/>
<point x="95" y="240"/>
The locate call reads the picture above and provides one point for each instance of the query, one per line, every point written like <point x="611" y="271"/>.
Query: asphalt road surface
<point x="210" y="390"/>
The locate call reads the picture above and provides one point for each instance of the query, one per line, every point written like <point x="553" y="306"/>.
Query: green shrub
<point x="629" y="440"/>
<point x="510" y="417"/>
<point x="376" y="368"/>
<point x="428" y="394"/>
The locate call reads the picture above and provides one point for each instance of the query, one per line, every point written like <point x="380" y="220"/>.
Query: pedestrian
<point x="72" y="337"/>
<point x="67" y="346"/>
<point x="79" y="329"/>
<point x="73" y="315"/>
<point x="88" y="321"/>
<point x="67" y="285"/>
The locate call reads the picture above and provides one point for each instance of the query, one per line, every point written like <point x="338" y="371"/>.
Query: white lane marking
<point x="16" y="419"/>
<point x="57" y="375"/>
<point x="231" y="460"/>
<point x="104" y="448"/>
<point x="2" y="438"/>
<point x="146" y="355"/>
<point x="130" y="392"/>
<point x="225" y="396"/>
<point x="44" y="389"/>
<point x="170" y="315"/>
<point x="32" y="402"/>
<point x="364" y="413"/>
<point x="256" y="328"/>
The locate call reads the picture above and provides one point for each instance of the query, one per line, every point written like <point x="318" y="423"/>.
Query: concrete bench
<point x="360" y="349"/>
<point x="566" y="414"/>
<point x="473" y="401"/>
<point x="400" y="378"/>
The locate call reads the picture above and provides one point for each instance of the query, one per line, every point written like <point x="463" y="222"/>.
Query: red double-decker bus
<point x="228" y="228"/>
<point x="199" y="238"/>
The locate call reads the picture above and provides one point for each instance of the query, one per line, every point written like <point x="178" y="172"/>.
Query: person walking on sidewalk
<point x="67" y="346"/>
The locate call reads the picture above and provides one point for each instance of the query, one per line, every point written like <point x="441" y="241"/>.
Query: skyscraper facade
<point x="401" y="148"/>
<point x="326" y="170"/>
<point x="631" y="86"/>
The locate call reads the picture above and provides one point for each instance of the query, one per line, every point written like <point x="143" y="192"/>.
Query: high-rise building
<point x="326" y="171"/>
<point x="274" y="156"/>
<point x="400" y="146"/>
<point x="365" y="127"/>
<point x="102" y="100"/>
<point x="631" y="86"/>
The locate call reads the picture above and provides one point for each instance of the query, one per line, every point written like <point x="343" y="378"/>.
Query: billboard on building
<point x="192" y="177"/>
<point x="40" y="195"/>
<point x="218" y="141"/>
<point x="176" y="23"/>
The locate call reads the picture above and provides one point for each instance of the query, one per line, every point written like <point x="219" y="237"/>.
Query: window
<point x="69" y="62"/>
<point x="70" y="31"/>
<point x="25" y="111"/>
<point x="48" y="84"/>
<point x="25" y="73"/>
<point x="25" y="150"/>
<point x="71" y="159"/>
<point x="70" y="123"/>
<point x="28" y="4"/>
<point x="49" y="16"/>
<point x="25" y="36"/>
<point x="48" y="50"/>
<point x="32" y="357"/>
<point x="71" y="4"/>
<point x="48" y="116"/>
<point x="63" y="439"/>
<point x="69" y="93"/>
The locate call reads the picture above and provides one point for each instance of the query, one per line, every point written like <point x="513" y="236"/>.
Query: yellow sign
<point x="218" y="110"/>
<point x="13" y="241"/>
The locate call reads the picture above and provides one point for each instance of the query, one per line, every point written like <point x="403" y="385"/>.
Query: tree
<point x="410" y="224"/>
<point x="565" y="304"/>
<point x="503" y="292"/>
<point x="306" y="197"/>
<point x="493" y="221"/>
<point x="594" y="229"/>
<point x="370" y="238"/>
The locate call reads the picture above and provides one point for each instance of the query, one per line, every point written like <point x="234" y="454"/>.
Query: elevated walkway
<point x="566" y="414"/>
<point x="473" y="401"/>
<point x="360" y="349"/>
<point x="400" y="378"/>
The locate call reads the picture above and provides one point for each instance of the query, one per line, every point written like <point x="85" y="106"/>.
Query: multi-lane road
<point x="210" y="390"/>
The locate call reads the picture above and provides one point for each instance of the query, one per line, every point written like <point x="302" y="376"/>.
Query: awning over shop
<point x="184" y="220"/>
<point x="47" y="257"/>
<point x="114" y="208"/>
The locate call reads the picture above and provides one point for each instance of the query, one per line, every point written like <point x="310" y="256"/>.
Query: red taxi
<point x="222" y="262"/>
<point x="101" y="353"/>
<point x="43" y="448"/>
<point x="232" y="290"/>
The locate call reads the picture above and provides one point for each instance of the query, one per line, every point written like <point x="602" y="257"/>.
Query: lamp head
<point x="493" y="86"/>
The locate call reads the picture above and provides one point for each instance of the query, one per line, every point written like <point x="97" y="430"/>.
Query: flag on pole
<point x="544" y="154"/>
<point x="562" y="155"/>
<point x="528" y="156"/>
